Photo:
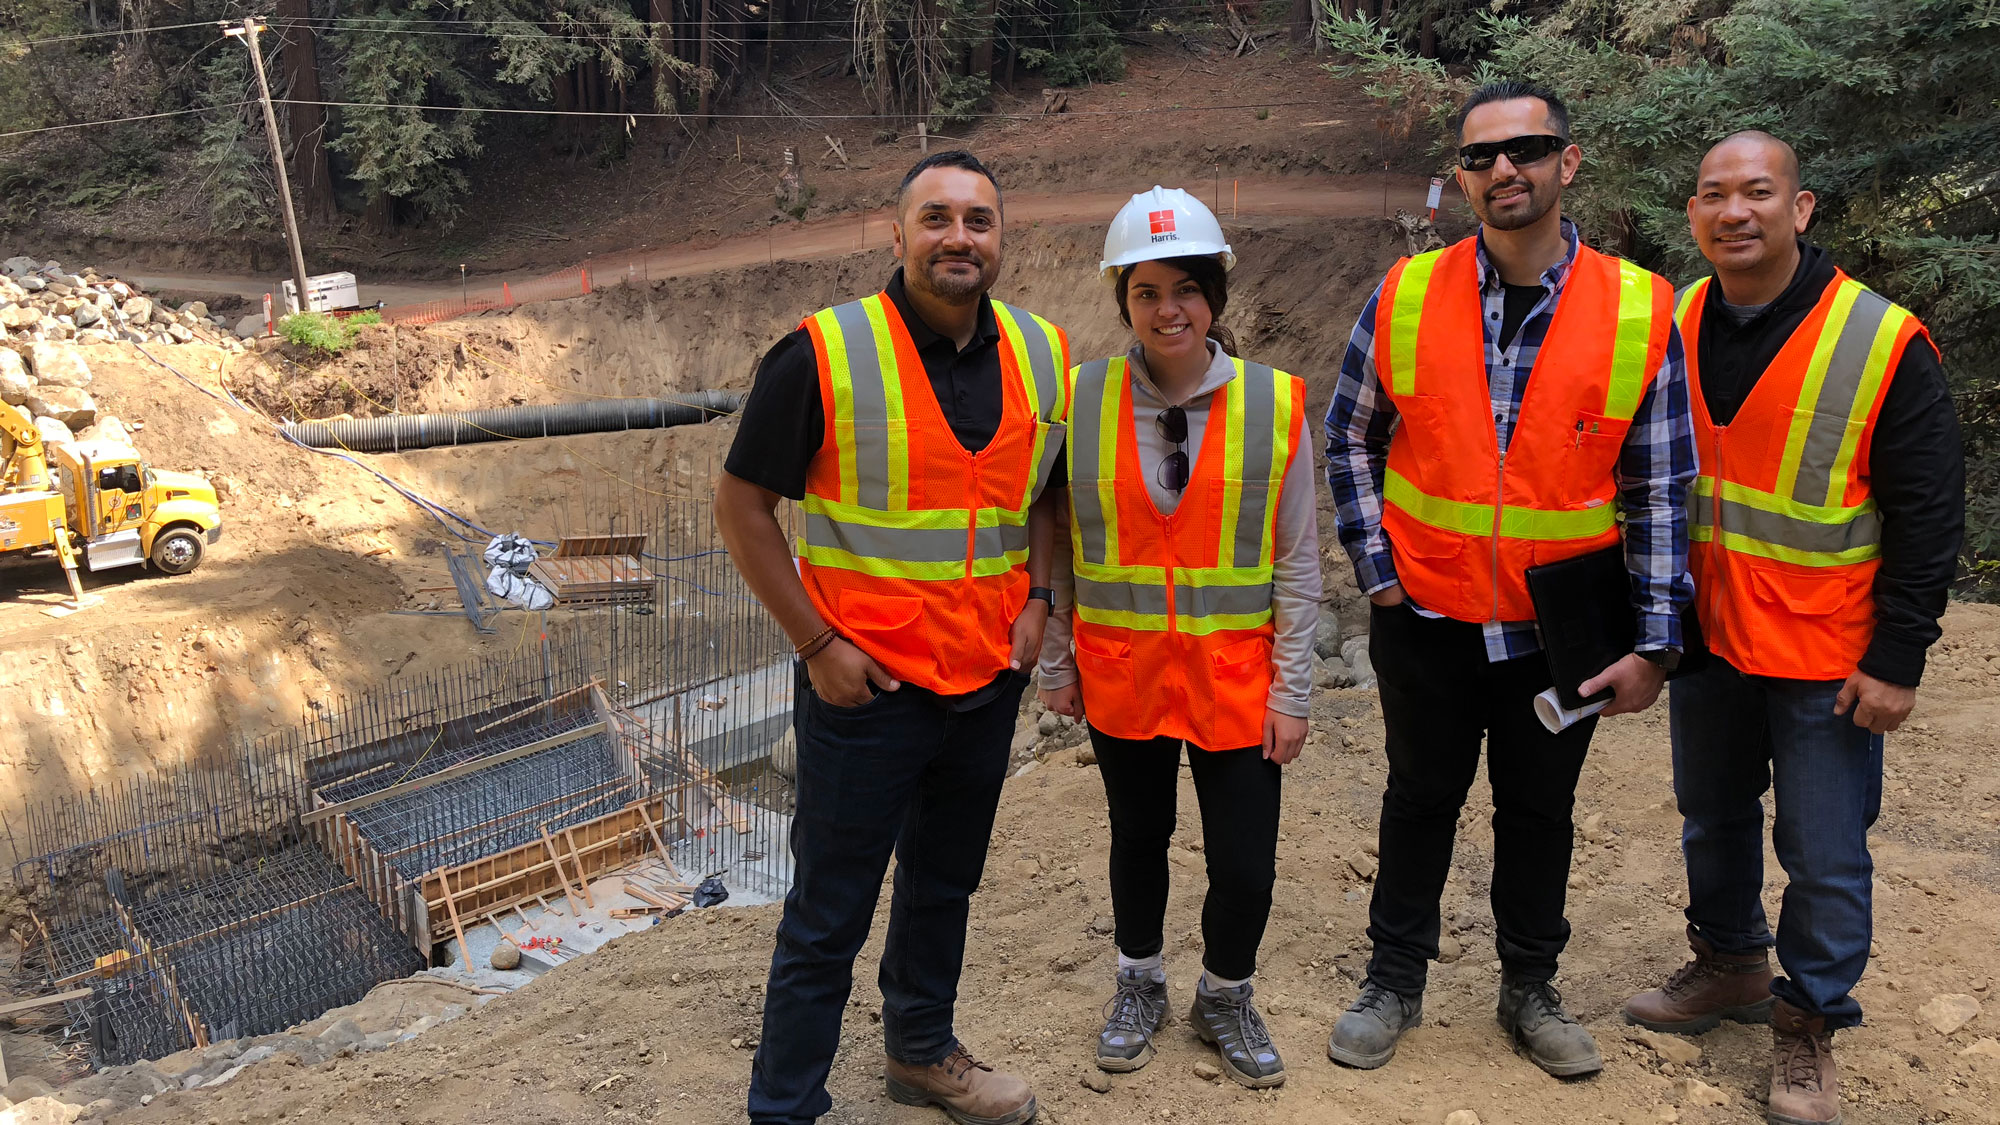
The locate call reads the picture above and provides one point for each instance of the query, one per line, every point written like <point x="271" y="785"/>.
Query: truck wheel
<point x="177" y="551"/>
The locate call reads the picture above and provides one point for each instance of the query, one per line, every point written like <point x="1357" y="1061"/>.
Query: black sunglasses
<point x="1172" y="424"/>
<point x="1519" y="151"/>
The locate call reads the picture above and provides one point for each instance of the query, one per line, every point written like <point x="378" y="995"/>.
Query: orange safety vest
<point x="1173" y="613"/>
<point x="1465" y="520"/>
<point x="913" y="548"/>
<point x="1784" y="534"/>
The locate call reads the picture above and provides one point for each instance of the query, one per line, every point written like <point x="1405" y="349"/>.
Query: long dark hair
<point x="1207" y="273"/>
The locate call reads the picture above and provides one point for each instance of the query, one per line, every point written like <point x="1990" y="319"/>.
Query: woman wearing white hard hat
<point x="1186" y="617"/>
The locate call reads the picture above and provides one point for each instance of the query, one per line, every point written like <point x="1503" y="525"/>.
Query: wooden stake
<point x="550" y="846"/>
<point x="451" y="907"/>
<point x="582" y="880"/>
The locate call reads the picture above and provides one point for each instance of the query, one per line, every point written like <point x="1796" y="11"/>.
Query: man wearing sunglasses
<point x="1500" y="403"/>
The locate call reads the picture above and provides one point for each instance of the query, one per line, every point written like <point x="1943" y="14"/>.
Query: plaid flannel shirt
<point x="1652" y="473"/>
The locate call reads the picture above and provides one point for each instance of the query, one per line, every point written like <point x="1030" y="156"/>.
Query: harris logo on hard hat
<point x="1162" y="223"/>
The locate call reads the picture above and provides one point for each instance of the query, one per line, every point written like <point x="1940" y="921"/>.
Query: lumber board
<point x="45" y="1001"/>
<point x="452" y="773"/>
<point x="550" y="846"/>
<point x="451" y="905"/>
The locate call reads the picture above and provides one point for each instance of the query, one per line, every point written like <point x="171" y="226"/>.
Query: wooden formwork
<point x="596" y="570"/>
<point x="546" y="868"/>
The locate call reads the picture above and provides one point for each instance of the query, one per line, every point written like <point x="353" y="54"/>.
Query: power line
<point x="786" y="116"/>
<point x="124" y="120"/>
<point x="112" y="34"/>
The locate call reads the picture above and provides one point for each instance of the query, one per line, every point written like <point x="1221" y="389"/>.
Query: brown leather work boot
<point x="969" y="1091"/>
<point x="1707" y="990"/>
<point x="1805" y="1090"/>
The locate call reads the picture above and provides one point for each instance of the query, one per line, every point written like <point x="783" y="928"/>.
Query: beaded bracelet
<point x="819" y="641"/>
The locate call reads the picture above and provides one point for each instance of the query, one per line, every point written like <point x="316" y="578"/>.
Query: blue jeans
<point x="1735" y="736"/>
<point x="903" y="774"/>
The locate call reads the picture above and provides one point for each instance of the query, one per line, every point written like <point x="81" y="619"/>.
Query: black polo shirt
<point x="783" y="422"/>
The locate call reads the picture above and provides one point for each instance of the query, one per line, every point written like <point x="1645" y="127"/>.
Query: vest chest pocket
<point x="1106" y="667"/>
<point x="1242" y="660"/>
<point x="877" y="613"/>
<point x="1598" y="438"/>
<point x="1804" y="595"/>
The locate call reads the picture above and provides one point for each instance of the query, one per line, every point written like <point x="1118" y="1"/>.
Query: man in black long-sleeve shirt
<point x="1826" y="525"/>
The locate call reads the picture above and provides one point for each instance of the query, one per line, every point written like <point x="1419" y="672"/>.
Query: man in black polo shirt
<point x="916" y="604"/>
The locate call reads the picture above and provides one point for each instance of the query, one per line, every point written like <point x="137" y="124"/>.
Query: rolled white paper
<point x="1558" y="718"/>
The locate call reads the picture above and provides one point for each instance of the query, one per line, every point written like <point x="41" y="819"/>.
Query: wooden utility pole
<point x="248" y="31"/>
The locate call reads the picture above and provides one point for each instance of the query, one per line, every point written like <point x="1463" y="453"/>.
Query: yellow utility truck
<point x="98" y="503"/>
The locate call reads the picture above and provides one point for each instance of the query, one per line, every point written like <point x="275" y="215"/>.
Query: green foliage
<point x="1890" y="103"/>
<point x="1078" y="43"/>
<point x="232" y="156"/>
<point x="327" y="335"/>
<point x="959" y="99"/>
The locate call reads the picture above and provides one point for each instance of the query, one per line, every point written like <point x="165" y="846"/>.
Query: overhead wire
<point x="990" y="114"/>
<point x="124" y="120"/>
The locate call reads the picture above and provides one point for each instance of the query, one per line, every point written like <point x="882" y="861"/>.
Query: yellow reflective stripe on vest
<point x="1205" y="599"/>
<point x="1096" y="404"/>
<point x="1235" y="417"/>
<point x="1686" y="299"/>
<point x="1515" y="522"/>
<point x="1633" y="344"/>
<point x="1405" y="315"/>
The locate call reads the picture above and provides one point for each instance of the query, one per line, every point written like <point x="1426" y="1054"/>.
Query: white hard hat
<point x="1162" y="223"/>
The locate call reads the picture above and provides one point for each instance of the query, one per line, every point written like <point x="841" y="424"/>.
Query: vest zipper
<point x="1499" y="507"/>
<point x="1715" y="551"/>
<point x="972" y="515"/>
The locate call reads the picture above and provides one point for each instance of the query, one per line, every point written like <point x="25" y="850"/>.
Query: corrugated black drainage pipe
<point x="423" y="431"/>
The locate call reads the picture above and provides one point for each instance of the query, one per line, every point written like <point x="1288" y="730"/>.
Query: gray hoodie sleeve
<point x="1296" y="588"/>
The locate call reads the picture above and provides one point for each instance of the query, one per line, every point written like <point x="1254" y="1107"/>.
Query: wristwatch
<point x="1667" y="659"/>
<point x="1044" y="593"/>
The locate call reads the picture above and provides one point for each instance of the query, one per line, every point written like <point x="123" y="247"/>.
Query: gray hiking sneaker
<point x="1365" y="1035"/>
<point x="1532" y="1012"/>
<point x="1131" y="1018"/>
<point x="1227" y="1020"/>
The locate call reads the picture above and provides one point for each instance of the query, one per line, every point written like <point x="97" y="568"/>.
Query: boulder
<point x="345" y="1032"/>
<point x="196" y="309"/>
<point x="43" y="1111"/>
<point x="33" y="284"/>
<point x="53" y="432"/>
<point x="15" y="382"/>
<point x="250" y="326"/>
<point x="20" y="316"/>
<point x="58" y="365"/>
<point x="107" y="428"/>
<point x="95" y="336"/>
<point x="1326" y="641"/>
<point x="71" y="406"/>
<point x="137" y="310"/>
<point x="86" y="314"/>
<point x="20" y="266"/>
<point x="179" y="333"/>
<point x="1949" y="1012"/>
<point x="505" y="956"/>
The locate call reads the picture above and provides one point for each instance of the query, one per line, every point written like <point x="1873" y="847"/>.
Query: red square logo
<point x="1161" y="222"/>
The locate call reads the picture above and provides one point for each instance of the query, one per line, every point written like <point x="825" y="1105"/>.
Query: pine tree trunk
<point x="1302" y="19"/>
<point x="310" y="175"/>
<point x="662" y="14"/>
<point x="1427" y="40"/>
<point x="1347" y="9"/>
<point x="772" y="25"/>
<point x="707" y="38"/>
<point x="982" y="47"/>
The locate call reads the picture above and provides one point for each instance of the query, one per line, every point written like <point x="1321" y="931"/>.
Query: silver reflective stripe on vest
<point x="1864" y="530"/>
<point x="1121" y="597"/>
<point x="1213" y="601"/>
<point x="939" y="544"/>
<point x="1086" y="408"/>
<point x="1844" y="374"/>
<point x="871" y="410"/>
<point x="1259" y="389"/>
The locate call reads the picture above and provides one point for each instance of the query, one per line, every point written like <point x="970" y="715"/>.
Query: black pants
<point x="1439" y="696"/>
<point x="900" y="774"/>
<point x="1238" y="791"/>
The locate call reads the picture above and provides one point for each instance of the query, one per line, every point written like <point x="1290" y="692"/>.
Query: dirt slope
<point x="649" y="1029"/>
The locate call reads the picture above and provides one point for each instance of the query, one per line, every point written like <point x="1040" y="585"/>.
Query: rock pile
<point x="43" y="302"/>
<point x="48" y="380"/>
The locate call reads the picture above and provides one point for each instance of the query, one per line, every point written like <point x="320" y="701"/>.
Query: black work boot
<point x="1365" y="1035"/>
<point x="1131" y="1018"/>
<point x="1532" y="1012"/>
<point x="1226" y="1019"/>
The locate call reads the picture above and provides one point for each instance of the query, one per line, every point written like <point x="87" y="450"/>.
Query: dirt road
<point x="1328" y="196"/>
